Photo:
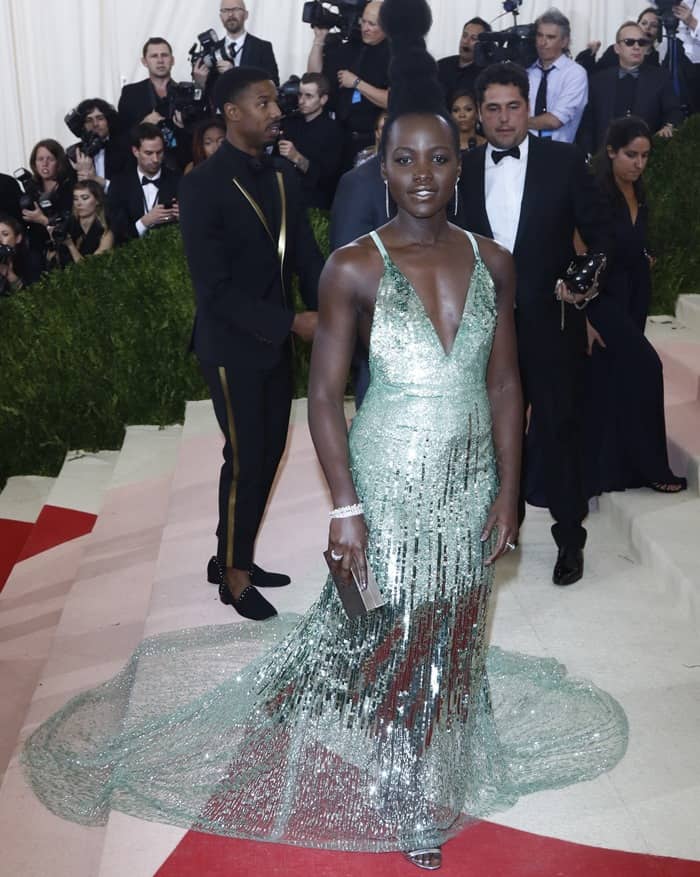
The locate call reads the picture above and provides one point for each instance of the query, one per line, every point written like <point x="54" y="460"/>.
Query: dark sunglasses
<point x="642" y="42"/>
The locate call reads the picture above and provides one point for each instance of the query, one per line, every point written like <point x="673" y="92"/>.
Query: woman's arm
<point x="505" y="398"/>
<point x="106" y="243"/>
<point x="334" y="343"/>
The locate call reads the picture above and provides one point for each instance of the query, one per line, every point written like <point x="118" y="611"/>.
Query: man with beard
<point x="459" y="72"/>
<point x="245" y="231"/>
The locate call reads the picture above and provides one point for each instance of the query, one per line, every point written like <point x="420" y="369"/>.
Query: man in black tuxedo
<point x="244" y="50"/>
<point x="144" y="197"/>
<point x="530" y="194"/>
<point x="245" y="231"/>
<point x="152" y="100"/>
<point x="100" y="118"/>
<point x="630" y="88"/>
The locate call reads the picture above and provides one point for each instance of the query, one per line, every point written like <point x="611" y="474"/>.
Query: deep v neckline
<point x="467" y="296"/>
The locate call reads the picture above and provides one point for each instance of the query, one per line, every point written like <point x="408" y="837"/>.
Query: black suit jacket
<point x="655" y="101"/>
<point x="137" y="100"/>
<point x="560" y="196"/>
<point x="9" y="196"/>
<point x="117" y="157"/>
<point x="245" y="233"/>
<point x="125" y="202"/>
<point x="259" y="53"/>
<point x="359" y="205"/>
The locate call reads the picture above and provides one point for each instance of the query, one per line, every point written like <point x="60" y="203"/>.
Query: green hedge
<point x="102" y="344"/>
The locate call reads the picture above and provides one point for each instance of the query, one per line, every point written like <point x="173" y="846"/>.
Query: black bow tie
<point x="514" y="152"/>
<point x="145" y="181"/>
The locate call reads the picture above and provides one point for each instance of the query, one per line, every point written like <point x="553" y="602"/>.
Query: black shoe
<point x="569" y="566"/>
<point x="260" y="578"/>
<point x="251" y="604"/>
<point x="263" y="579"/>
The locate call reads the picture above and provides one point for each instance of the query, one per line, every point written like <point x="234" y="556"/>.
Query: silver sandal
<point x="414" y="856"/>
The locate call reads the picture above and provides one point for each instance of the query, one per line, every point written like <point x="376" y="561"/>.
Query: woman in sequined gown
<point x="394" y="730"/>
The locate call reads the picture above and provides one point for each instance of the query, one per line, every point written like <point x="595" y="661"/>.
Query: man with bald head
<point x="244" y="49"/>
<point x="359" y="77"/>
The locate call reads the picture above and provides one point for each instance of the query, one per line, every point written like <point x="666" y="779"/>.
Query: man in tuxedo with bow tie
<point x="245" y="232"/>
<point x="142" y="198"/>
<point x="530" y="194"/>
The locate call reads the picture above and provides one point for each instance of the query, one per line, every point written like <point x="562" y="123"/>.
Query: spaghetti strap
<point x="475" y="246"/>
<point x="380" y="246"/>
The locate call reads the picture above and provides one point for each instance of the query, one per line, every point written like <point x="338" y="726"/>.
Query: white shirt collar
<point x="524" y="149"/>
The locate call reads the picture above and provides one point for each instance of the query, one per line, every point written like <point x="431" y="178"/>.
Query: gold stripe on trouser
<point x="234" y="465"/>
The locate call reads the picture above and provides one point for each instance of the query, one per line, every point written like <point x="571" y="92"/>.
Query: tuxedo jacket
<point x="118" y="157"/>
<point x="560" y="195"/>
<point x="359" y="205"/>
<point x="655" y="101"/>
<point x="137" y="100"/>
<point x="245" y="233"/>
<point x="125" y="201"/>
<point x="259" y="53"/>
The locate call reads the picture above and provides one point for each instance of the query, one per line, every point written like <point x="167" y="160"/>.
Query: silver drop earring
<point x="386" y="193"/>
<point x="456" y="197"/>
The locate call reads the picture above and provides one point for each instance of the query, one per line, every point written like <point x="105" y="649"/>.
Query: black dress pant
<point x="552" y="372"/>
<point x="252" y="407"/>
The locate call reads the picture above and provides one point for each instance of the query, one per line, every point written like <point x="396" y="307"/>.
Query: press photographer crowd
<point x="119" y="179"/>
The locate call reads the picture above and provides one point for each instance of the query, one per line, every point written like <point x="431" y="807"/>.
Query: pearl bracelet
<point x="347" y="511"/>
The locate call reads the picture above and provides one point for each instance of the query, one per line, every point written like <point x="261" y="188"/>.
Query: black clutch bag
<point x="583" y="275"/>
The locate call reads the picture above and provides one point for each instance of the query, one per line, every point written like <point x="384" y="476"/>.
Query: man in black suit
<point x="244" y="50"/>
<point x="98" y="117"/>
<point x="313" y="142"/>
<point x="630" y="88"/>
<point x="152" y="100"/>
<point x="245" y="231"/>
<point x="459" y="72"/>
<point x="530" y="194"/>
<point x="144" y="197"/>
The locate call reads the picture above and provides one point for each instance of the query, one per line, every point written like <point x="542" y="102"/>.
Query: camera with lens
<point x="346" y="19"/>
<point x="668" y="19"/>
<point x="288" y="96"/>
<point x="517" y="44"/>
<point x="31" y="193"/>
<point x="6" y="254"/>
<point x="211" y="49"/>
<point x="185" y="98"/>
<point x="59" y="224"/>
<point x="90" y="141"/>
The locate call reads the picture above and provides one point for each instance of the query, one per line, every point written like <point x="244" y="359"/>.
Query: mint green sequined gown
<point x="388" y="732"/>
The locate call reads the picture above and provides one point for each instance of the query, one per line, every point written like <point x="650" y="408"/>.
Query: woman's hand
<point x="594" y="337"/>
<point x="347" y="540"/>
<point x="36" y="215"/>
<point x="504" y="516"/>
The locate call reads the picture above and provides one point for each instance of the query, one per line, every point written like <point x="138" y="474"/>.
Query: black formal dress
<point x="625" y="423"/>
<point x="650" y="96"/>
<point x="245" y="231"/>
<point x="559" y="196"/>
<point x="321" y="142"/>
<point x="126" y="203"/>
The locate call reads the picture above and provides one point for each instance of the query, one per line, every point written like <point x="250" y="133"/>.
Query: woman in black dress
<point x="626" y="431"/>
<point x="88" y="232"/>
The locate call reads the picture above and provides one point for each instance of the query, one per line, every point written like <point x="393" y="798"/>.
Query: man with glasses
<point x="648" y="20"/>
<point x="358" y="73"/>
<point x="243" y="48"/>
<point x="631" y="88"/>
<point x="558" y="85"/>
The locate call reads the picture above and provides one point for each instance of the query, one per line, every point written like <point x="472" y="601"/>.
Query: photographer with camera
<point x="99" y="155"/>
<point x="48" y="194"/>
<point x="14" y="259"/>
<point x="237" y="49"/>
<point x="144" y="197"/>
<point x="358" y="73"/>
<point x="558" y="85"/>
<point x="459" y="72"/>
<point x="85" y="232"/>
<point x="312" y="142"/>
<point x="687" y="13"/>
<point x="153" y="101"/>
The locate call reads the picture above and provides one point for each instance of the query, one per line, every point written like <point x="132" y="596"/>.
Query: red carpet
<point x="485" y="850"/>
<point x="13" y="535"/>
<point x="53" y="527"/>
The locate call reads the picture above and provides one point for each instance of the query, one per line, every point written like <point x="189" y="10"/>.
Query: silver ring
<point x="511" y="546"/>
<point x="335" y="556"/>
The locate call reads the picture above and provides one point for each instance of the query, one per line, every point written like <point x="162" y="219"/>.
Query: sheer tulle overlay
<point x="380" y="733"/>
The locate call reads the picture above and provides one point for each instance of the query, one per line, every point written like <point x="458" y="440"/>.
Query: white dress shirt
<point x="237" y="47"/>
<point x="99" y="161"/>
<point x="567" y="95"/>
<point x="504" y="184"/>
<point x="691" y="38"/>
<point x="150" y="196"/>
